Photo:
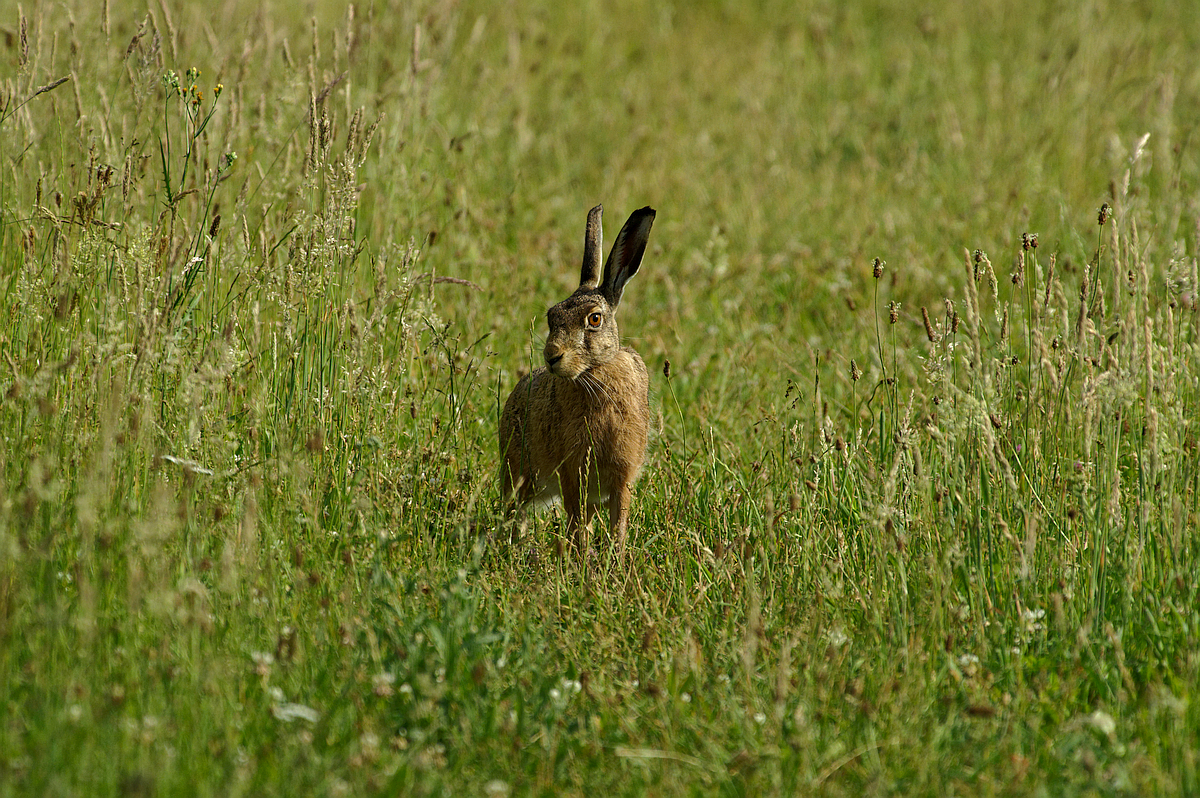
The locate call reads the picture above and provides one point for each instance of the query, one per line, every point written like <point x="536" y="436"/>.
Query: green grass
<point x="248" y="509"/>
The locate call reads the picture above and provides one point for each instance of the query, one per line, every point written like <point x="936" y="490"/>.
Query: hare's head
<point x="583" y="327"/>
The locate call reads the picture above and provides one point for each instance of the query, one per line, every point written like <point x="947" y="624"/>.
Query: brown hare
<point x="577" y="427"/>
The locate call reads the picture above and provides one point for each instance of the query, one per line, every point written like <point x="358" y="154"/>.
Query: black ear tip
<point x="642" y="216"/>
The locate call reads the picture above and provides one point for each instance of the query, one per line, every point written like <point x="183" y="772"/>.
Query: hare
<point x="577" y="428"/>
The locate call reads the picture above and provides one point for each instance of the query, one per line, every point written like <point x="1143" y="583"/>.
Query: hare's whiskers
<point x="590" y="386"/>
<point x="595" y="388"/>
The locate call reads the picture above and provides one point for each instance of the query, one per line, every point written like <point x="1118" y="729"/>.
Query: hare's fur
<point x="577" y="428"/>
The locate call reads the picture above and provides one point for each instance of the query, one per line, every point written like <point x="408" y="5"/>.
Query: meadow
<point x="920" y="309"/>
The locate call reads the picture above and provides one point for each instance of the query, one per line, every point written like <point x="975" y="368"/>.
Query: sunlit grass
<point x="919" y="509"/>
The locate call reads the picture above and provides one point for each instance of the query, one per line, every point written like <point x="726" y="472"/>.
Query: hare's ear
<point x="626" y="255"/>
<point x="593" y="249"/>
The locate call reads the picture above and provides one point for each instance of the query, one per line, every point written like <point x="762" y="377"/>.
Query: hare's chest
<point x="604" y="430"/>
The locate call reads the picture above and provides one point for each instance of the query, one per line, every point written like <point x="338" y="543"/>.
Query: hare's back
<point x="632" y="378"/>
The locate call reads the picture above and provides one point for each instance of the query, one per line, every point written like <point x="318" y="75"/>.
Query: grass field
<point x="920" y="509"/>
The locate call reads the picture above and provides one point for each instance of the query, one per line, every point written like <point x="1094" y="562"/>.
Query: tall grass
<point x="919" y="516"/>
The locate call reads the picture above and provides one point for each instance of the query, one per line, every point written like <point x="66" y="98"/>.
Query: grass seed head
<point x="1049" y="281"/>
<point x="24" y="56"/>
<point x="928" y="326"/>
<point x="877" y="268"/>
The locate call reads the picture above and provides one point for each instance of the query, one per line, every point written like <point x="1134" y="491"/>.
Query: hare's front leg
<point x="618" y="514"/>
<point x="571" y="490"/>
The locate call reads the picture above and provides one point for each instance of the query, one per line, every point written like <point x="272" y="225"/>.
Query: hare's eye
<point x="595" y="320"/>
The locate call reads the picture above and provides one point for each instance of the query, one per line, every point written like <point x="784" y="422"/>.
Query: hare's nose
<point x="552" y="360"/>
